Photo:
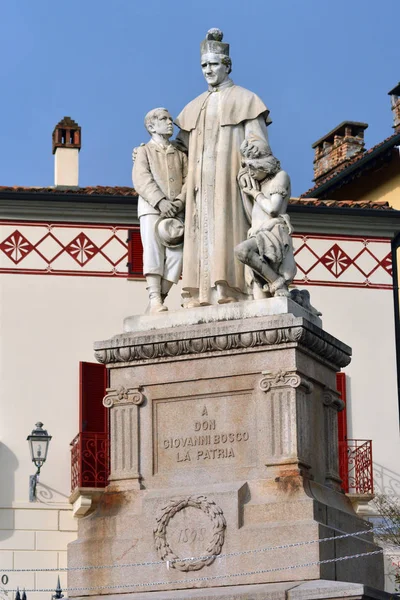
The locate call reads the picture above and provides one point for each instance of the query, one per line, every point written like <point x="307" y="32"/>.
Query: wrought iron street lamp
<point x="39" y="441"/>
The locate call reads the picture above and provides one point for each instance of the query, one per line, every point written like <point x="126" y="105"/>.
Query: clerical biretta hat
<point x="213" y="43"/>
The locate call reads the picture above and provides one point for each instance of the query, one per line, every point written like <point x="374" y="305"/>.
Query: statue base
<point x="308" y="590"/>
<point x="224" y="464"/>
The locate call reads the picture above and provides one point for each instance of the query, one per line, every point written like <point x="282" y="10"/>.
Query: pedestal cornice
<point x="232" y="336"/>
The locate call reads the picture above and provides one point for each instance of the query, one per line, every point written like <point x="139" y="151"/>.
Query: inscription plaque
<point x="204" y="432"/>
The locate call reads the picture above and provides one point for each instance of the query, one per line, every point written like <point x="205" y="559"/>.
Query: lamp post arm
<point x="32" y="487"/>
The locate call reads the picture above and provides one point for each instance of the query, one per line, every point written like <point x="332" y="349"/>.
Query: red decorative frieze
<point x="63" y="249"/>
<point x="82" y="249"/>
<point x="335" y="260"/>
<point x="16" y="247"/>
<point x="102" y="251"/>
<point x="343" y="261"/>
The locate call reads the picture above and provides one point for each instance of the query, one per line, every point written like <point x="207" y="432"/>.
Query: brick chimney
<point x="337" y="147"/>
<point x="66" y="146"/>
<point x="394" y="96"/>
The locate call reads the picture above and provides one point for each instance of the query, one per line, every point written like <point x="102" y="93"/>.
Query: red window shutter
<point x="92" y="389"/>
<point x="135" y="252"/>
<point x="342" y="433"/>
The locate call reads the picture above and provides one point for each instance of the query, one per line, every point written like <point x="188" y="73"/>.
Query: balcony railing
<point x="89" y="460"/>
<point x="355" y="466"/>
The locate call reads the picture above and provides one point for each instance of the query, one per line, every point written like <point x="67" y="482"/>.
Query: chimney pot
<point x="395" y="101"/>
<point x="66" y="140"/>
<point x="337" y="147"/>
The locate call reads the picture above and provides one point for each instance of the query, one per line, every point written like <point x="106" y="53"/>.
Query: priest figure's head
<point x="215" y="60"/>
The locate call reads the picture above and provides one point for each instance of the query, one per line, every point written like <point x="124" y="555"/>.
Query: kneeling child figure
<point x="268" y="251"/>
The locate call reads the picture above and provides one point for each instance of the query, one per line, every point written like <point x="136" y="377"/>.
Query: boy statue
<point x="268" y="250"/>
<point x="159" y="174"/>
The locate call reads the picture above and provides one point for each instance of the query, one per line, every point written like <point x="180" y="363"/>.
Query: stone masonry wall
<point x="35" y="537"/>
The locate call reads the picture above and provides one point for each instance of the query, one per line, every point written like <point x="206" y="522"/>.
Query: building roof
<point x="121" y="191"/>
<point x="352" y="168"/>
<point x="97" y="190"/>
<point x="353" y="204"/>
<point x="128" y="195"/>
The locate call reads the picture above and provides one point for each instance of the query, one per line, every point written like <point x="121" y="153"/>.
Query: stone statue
<point x="268" y="251"/>
<point x="212" y="128"/>
<point x="159" y="175"/>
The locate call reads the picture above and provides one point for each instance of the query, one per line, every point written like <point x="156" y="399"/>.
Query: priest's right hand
<point x="167" y="208"/>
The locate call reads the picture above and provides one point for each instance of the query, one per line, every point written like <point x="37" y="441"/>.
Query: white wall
<point x="47" y="325"/>
<point x="35" y="536"/>
<point x="364" y="319"/>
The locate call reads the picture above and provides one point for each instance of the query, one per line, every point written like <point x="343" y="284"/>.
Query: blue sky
<point x="106" y="63"/>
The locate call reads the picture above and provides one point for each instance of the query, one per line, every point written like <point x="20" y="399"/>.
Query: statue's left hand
<point x="134" y="152"/>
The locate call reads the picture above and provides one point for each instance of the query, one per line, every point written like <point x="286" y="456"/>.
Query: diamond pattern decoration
<point x="82" y="249"/>
<point x="305" y="258"/>
<point x="387" y="264"/>
<point x="49" y="247"/>
<point x="16" y="247"/>
<point x="114" y="250"/>
<point x="336" y="260"/>
<point x="366" y="262"/>
<point x="69" y="248"/>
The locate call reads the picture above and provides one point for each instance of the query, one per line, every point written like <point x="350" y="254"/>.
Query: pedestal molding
<point x="171" y="343"/>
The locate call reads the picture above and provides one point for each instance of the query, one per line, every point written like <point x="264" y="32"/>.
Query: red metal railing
<point x="355" y="466"/>
<point x="89" y="460"/>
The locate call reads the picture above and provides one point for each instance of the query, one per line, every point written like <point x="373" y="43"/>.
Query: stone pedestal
<point x="224" y="459"/>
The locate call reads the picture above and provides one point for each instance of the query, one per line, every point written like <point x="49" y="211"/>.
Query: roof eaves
<point x="351" y="204"/>
<point x="339" y="210"/>
<point x="50" y="194"/>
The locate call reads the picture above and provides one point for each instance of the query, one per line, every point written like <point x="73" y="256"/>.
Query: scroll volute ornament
<point x="122" y="395"/>
<point x="332" y="399"/>
<point x="284" y="378"/>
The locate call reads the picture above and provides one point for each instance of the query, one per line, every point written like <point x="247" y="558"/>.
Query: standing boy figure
<point x="159" y="174"/>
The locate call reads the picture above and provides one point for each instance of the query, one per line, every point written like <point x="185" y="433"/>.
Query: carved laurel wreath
<point x="214" y="547"/>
